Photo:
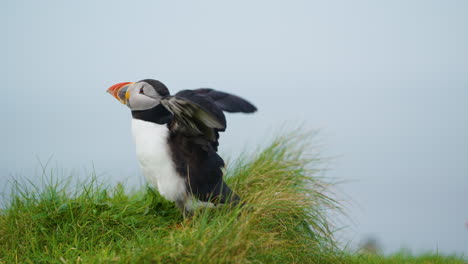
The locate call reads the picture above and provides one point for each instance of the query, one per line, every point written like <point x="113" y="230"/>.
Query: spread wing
<point x="199" y="113"/>
<point x="195" y="116"/>
<point x="226" y="102"/>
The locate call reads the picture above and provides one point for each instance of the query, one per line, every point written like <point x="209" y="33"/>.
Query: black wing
<point x="197" y="118"/>
<point x="194" y="140"/>
<point x="199" y="112"/>
<point x="226" y="102"/>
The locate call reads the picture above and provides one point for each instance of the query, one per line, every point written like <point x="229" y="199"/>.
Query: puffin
<point x="176" y="139"/>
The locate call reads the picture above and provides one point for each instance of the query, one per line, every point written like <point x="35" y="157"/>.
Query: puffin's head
<point x="141" y="95"/>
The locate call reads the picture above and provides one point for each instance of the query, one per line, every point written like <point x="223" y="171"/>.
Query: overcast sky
<point x="385" y="81"/>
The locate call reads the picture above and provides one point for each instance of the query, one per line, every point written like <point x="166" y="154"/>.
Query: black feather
<point x="202" y="168"/>
<point x="205" y="103"/>
<point x="158" y="114"/>
<point x="227" y="102"/>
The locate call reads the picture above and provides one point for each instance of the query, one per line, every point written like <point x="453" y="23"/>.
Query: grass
<point x="405" y="258"/>
<point x="284" y="220"/>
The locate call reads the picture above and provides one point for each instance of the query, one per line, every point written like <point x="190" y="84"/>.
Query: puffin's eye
<point x="142" y="91"/>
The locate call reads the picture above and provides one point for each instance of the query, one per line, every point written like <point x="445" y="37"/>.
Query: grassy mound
<point x="283" y="220"/>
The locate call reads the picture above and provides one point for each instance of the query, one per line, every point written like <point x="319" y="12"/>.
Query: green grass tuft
<point x="283" y="219"/>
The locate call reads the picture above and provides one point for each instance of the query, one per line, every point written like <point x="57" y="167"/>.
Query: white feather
<point x="154" y="156"/>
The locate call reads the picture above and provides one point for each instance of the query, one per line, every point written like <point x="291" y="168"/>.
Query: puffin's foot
<point x="184" y="210"/>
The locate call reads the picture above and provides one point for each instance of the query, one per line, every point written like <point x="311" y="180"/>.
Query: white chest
<point x="154" y="156"/>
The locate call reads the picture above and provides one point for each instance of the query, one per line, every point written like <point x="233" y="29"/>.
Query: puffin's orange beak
<point x="119" y="91"/>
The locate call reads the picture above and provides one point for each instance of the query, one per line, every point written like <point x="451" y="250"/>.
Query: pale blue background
<point x="386" y="81"/>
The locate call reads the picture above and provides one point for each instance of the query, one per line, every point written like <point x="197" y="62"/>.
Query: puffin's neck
<point x="158" y="114"/>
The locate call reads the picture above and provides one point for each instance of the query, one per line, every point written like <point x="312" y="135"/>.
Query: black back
<point x="202" y="168"/>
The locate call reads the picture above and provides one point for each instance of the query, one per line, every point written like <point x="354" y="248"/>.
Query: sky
<point x="385" y="82"/>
